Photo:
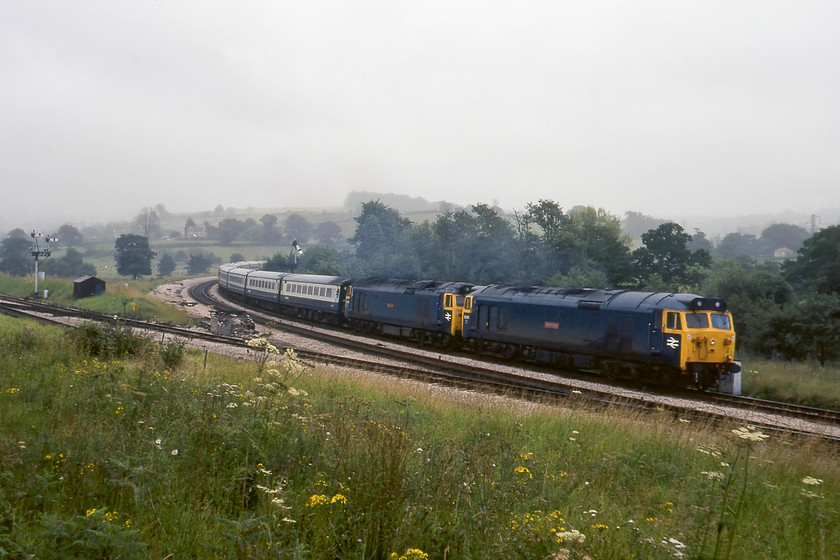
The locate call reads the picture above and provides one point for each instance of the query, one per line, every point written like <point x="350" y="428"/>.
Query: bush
<point x="108" y="341"/>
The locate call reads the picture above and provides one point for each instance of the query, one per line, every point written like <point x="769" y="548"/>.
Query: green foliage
<point x="200" y="262"/>
<point x="69" y="236"/>
<point x="166" y="265"/>
<point x="818" y="264"/>
<point x="108" y="340"/>
<point x="133" y="255"/>
<point x="666" y="255"/>
<point x="70" y="265"/>
<point x="15" y="254"/>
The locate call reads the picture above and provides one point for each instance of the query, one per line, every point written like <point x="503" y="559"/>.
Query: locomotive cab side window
<point x="672" y="321"/>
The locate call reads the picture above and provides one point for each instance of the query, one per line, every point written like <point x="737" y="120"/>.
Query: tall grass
<point x="114" y="454"/>
<point x="804" y="383"/>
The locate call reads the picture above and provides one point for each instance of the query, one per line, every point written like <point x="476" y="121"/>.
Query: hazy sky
<point x="662" y="107"/>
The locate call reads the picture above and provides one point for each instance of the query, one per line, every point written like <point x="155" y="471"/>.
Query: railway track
<point x="429" y="366"/>
<point x="489" y="374"/>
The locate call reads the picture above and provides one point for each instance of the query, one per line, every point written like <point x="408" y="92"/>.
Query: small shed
<point x="88" y="286"/>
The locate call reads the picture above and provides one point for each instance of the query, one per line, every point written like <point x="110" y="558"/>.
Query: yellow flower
<point x="523" y="470"/>
<point x="317" y="500"/>
<point x="338" y="498"/>
<point x="410" y="554"/>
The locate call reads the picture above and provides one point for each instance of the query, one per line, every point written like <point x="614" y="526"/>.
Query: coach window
<point x="673" y="322"/>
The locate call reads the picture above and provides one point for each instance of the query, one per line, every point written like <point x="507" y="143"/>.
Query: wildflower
<point x="174" y="452"/>
<point x="523" y="470"/>
<point x="338" y="498"/>
<point x="811" y="481"/>
<point x="410" y="554"/>
<point x="158" y="443"/>
<point x="90" y="512"/>
<point x="317" y="500"/>
<point x="713" y="475"/>
<point x="570" y="536"/>
<point x="749" y="433"/>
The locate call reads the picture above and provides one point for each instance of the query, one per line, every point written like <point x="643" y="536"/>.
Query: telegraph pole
<point x="40" y="251"/>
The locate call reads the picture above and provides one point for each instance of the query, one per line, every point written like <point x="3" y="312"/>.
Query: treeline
<point x="787" y="309"/>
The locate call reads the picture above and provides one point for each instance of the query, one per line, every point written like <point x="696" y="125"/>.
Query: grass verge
<point x="113" y="448"/>
<point x="129" y="298"/>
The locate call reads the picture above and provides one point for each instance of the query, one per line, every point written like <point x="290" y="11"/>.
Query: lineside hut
<point x="88" y="286"/>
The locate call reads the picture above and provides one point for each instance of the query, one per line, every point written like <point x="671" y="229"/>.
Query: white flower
<point x="574" y="536"/>
<point x="749" y="433"/>
<point x="174" y="452"/>
<point x="811" y="481"/>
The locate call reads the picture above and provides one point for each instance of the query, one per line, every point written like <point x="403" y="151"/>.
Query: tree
<point x="270" y="232"/>
<point x="147" y="222"/>
<point x="69" y="236"/>
<point x="166" y="265"/>
<point x="16" y="253"/>
<point x="779" y="236"/>
<point x="598" y="243"/>
<point x="200" y="262"/>
<point x="228" y="230"/>
<point x="133" y="255"/>
<point x="328" y="234"/>
<point x="298" y="227"/>
<point x="380" y="231"/>
<point x="71" y="265"/>
<point x="818" y="263"/>
<point x="738" y="245"/>
<point x="752" y="295"/>
<point x="666" y="256"/>
<point x="636" y="223"/>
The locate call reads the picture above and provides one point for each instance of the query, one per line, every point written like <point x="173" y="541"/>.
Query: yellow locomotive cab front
<point x="708" y="347"/>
